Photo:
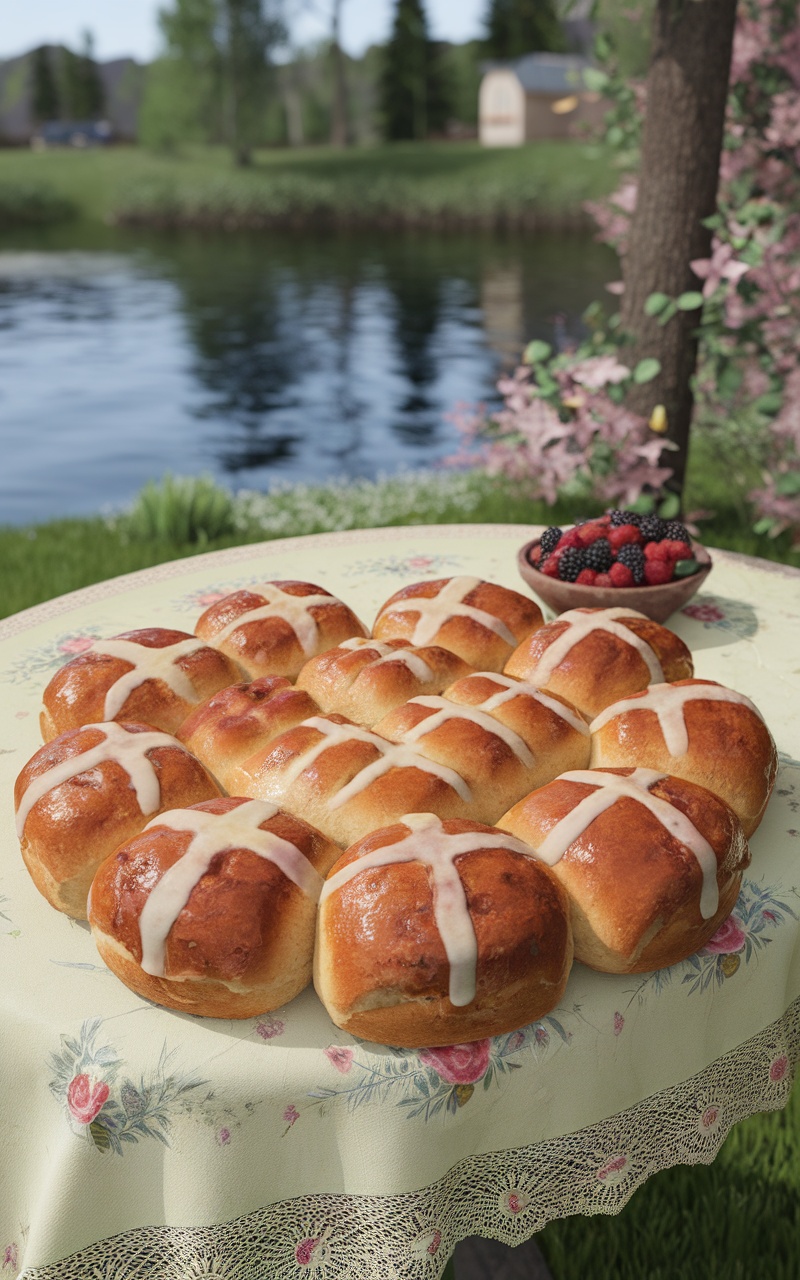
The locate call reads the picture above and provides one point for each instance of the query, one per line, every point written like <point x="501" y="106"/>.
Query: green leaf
<point x="769" y="403"/>
<point x="690" y="301"/>
<point x="788" y="485"/>
<point x="764" y="525"/>
<point x="594" y="79"/>
<point x="100" y="1136"/>
<point x="655" y="304"/>
<point x="669" y="509"/>
<point x="685" y="568"/>
<point x="615" y="136"/>
<point x="537" y="351"/>
<point x="646" y="370"/>
<point x="644" y="505"/>
<point x="668" y="312"/>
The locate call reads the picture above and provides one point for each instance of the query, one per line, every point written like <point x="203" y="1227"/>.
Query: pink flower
<point x="291" y="1115"/>
<point x="305" y="1250"/>
<point x="224" y="1137"/>
<point x="458" y="1063"/>
<point x="420" y="563"/>
<point x="704" y="612"/>
<point x="341" y="1059"/>
<point x="615" y="1165"/>
<point x="85" y="1097"/>
<point x="541" y="1035"/>
<point x="619" y="1023"/>
<point x="436" y="1240"/>
<point x="709" y="1117"/>
<point x="778" y="1068"/>
<point x="267" y="1028"/>
<point x="211" y="597"/>
<point x="514" y="1201"/>
<point x="10" y="1257"/>
<point x="729" y="937"/>
<point x="599" y="371"/>
<point x="78" y="644"/>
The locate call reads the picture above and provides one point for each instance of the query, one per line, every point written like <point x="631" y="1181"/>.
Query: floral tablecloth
<point x="137" y="1142"/>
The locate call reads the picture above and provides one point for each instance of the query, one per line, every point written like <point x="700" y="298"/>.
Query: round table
<point x="145" y="1143"/>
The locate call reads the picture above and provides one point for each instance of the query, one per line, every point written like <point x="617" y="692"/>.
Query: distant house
<point x="539" y="96"/>
<point x="71" y="133"/>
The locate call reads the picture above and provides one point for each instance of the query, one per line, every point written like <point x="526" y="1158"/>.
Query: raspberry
<point x="572" y="561"/>
<point x="657" y="572"/>
<point x="657" y="551"/>
<point x="599" y="555"/>
<point x="678" y="550"/>
<point x="572" y="538"/>
<point x="622" y="534"/>
<point x="550" y="539"/>
<point x="549" y="566"/>
<point x="591" y="532"/>
<point x="620" y="575"/>
<point x="586" y="577"/>
<point x="632" y="555"/>
<point x="675" y="530"/>
<point x="603" y="580"/>
<point x="653" y="528"/>
<point x="624" y="517"/>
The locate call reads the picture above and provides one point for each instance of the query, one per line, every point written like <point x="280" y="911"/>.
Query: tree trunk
<point x="687" y="87"/>
<point x="339" y="130"/>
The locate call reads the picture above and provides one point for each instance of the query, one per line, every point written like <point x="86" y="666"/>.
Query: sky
<point x="129" y="27"/>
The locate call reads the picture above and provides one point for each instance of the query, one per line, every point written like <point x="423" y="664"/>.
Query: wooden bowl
<point x="657" y="603"/>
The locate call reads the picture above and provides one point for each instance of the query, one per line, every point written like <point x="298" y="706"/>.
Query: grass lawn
<point x="421" y="183"/>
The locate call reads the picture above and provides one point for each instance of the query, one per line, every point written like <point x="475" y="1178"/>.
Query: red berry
<point x="678" y="550"/>
<point x="657" y="572"/>
<point x="622" y="534"/>
<point x="657" y="551"/>
<point x="620" y="575"/>
<point x="534" y="556"/>
<point x="550" y="565"/>
<point x="572" y="538"/>
<point x="603" y="580"/>
<point x="586" y="577"/>
<point x="589" y="533"/>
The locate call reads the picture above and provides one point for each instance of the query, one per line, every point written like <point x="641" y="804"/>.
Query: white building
<point x="539" y="96"/>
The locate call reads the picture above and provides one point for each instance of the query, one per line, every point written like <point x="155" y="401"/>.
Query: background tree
<point x="45" y="101"/>
<point x="516" y="27"/>
<point x="413" y="92"/>
<point x="687" y="87"/>
<point x="82" y="92"/>
<point x="340" y="130"/>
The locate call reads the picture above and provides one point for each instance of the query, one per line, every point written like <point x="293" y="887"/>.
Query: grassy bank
<point x="408" y="184"/>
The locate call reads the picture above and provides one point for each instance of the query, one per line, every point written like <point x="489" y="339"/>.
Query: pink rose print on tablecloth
<point x="291" y="1115"/>
<point x="268" y="1028"/>
<point x="85" y="1098"/>
<point x="619" y="1023"/>
<point x="10" y="1256"/>
<point x="778" y="1068"/>
<point x="613" y="1170"/>
<point x="341" y="1059"/>
<point x="730" y="937"/>
<point x="459" y="1063"/>
<point x="76" y="644"/>
<point x="224" y="1137"/>
<point x="305" y="1250"/>
<point x="704" y="612"/>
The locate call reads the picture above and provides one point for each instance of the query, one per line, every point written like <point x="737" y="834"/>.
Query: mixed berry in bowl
<point x="618" y="549"/>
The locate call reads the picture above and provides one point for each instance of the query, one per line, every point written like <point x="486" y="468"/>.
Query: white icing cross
<point x="213" y="833"/>
<point x="431" y="845"/>
<point x="444" y="710"/>
<point x="126" y="749"/>
<point x="148" y="664"/>
<point x="514" y="688"/>
<point x="668" y="702"/>
<point x="435" y="611"/>
<point x="291" y="609"/>
<point x="392" y="756"/>
<point x="416" y="665"/>
<point x="610" y="787"/>
<point x="581" y="625"/>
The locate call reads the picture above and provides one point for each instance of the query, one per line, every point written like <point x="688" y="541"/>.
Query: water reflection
<point x="259" y="358"/>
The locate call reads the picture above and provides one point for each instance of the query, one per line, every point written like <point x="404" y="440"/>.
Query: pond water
<point x="258" y="359"/>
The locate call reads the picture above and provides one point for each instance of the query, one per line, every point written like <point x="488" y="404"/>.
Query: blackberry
<point x="550" y="540"/>
<point x="677" y="532"/>
<point x="632" y="555"/>
<point x="599" y="555"/>
<point x="625" y="517"/>
<point x="652" y="528"/>
<point x="571" y="562"/>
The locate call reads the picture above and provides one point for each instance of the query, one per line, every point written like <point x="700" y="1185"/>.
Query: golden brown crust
<point x="78" y="822"/>
<point x="77" y="693"/>
<point x="464" y="635"/>
<point x="381" y="967"/>
<point x="313" y="791"/>
<point x="730" y="749"/>
<point x="508" y="750"/>
<point x="243" y="942"/>
<point x="634" y="887"/>
<point x="364" y="683"/>
<point x="601" y="668"/>
<point x="242" y="719"/>
<point x="270" y="645"/>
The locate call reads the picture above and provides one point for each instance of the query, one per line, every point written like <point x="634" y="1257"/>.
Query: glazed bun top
<point x="593" y="657"/>
<point x="273" y="628"/>
<point x="153" y="675"/>
<point x="480" y="621"/>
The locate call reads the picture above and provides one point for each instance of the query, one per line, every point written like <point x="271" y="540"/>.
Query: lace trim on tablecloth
<point x="506" y="1196"/>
